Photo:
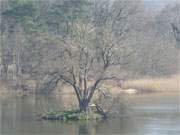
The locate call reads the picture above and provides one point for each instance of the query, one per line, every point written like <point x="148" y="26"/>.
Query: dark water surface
<point x="150" y="114"/>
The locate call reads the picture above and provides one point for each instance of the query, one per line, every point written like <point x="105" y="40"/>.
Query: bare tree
<point x="176" y="32"/>
<point x="91" y="52"/>
<point x="87" y="63"/>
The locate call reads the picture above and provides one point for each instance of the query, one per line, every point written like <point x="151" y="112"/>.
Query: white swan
<point x="129" y="91"/>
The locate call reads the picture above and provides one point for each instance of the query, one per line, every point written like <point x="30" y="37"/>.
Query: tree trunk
<point x="83" y="105"/>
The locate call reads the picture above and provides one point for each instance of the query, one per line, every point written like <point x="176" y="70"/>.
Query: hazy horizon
<point x="158" y="4"/>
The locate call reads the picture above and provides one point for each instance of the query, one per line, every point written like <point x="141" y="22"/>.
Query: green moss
<point x="70" y="115"/>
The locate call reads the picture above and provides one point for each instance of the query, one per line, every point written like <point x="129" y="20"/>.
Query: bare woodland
<point x="82" y="43"/>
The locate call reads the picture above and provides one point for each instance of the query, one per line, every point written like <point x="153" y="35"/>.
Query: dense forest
<point x="80" y="40"/>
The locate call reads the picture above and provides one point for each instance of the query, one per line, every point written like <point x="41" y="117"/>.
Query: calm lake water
<point x="150" y="114"/>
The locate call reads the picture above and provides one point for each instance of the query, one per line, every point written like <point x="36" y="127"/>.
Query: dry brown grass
<point x="3" y="86"/>
<point x="171" y="83"/>
<point x="4" y="92"/>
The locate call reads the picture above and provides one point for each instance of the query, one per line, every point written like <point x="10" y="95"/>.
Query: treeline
<point x="81" y="40"/>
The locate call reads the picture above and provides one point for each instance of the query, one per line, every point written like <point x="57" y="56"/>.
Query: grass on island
<point x="71" y="115"/>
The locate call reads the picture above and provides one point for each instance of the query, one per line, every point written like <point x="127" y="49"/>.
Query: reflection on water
<point x="147" y="115"/>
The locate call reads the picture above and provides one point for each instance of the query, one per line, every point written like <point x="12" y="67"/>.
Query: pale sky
<point x="159" y="3"/>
